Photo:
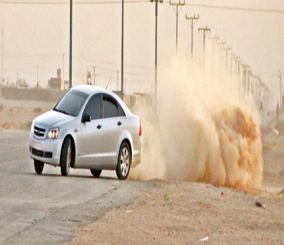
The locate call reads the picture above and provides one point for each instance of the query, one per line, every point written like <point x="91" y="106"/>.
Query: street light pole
<point x="156" y="45"/>
<point x="70" y="53"/>
<point x="122" y="49"/>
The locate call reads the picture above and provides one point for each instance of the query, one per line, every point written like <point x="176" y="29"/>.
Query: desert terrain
<point x="181" y="212"/>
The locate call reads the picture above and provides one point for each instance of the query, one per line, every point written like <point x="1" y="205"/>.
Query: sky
<point x="35" y="38"/>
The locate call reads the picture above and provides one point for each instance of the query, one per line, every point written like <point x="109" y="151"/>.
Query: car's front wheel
<point x="96" y="173"/>
<point x="123" y="161"/>
<point x="66" y="157"/>
<point x="38" y="166"/>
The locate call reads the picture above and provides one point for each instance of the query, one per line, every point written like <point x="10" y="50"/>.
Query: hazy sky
<point x="38" y="35"/>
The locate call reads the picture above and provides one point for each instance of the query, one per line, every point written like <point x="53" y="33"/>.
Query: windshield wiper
<point x="64" y="112"/>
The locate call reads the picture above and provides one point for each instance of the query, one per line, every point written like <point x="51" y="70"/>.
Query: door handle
<point x="76" y="130"/>
<point x="99" y="127"/>
<point x="119" y="123"/>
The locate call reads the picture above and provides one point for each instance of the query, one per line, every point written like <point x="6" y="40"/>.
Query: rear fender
<point x="125" y="135"/>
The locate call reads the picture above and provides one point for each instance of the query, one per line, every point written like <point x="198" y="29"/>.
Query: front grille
<point x="39" y="131"/>
<point x="39" y="153"/>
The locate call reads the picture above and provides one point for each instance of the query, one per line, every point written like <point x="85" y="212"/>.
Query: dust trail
<point x="203" y="131"/>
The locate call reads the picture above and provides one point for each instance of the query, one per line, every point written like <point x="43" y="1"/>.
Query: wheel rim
<point x="68" y="161"/>
<point x="124" y="162"/>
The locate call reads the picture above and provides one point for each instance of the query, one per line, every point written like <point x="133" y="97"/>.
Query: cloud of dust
<point x="202" y="131"/>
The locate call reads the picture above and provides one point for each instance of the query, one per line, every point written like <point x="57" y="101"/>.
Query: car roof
<point x="88" y="89"/>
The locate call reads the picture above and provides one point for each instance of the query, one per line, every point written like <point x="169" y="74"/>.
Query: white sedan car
<point x="89" y="128"/>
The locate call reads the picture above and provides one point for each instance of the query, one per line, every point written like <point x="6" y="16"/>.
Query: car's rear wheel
<point x="96" y="173"/>
<point x="38" y="166"/>
<point x="123" y="161"/>
<point x="66" y="157"/>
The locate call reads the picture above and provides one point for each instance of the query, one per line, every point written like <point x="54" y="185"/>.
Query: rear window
<point x="110" y="108"/>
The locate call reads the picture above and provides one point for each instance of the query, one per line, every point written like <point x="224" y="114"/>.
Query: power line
<point x="112" y="63"/>
<point x="30" y="55"/>
<point x="261" y="10"/>
<point x="67" y="3"/>
<point x="278" y="11"/>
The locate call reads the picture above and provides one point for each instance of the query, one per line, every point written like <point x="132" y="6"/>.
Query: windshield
<point x="71" y="103"/>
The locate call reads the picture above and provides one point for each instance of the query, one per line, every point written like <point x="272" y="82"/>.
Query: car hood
<point x="52" y="119"/>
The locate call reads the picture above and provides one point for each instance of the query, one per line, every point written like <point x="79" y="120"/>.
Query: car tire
<point x="123" y="161"/>
<point x="66" y="157"/>
<point x="38" y="166"/>
<point x="96" y="173"/>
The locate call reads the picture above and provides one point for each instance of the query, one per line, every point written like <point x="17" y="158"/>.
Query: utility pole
<point x="213" y="57"/>
<point x="204" y="32"/>
<point x="193" y="20"/>
<point x="236" y="58"/>
<point x="249" y="82"/>
<point x="2" y="53"/>
<point x="257" y="82"/>
<point x="70" y="52"/>
<point x="280" y="100"/>
<point x="117" y="72"/>
<point x="122" y="48"/>
<point x="222" y="43"/>
<point x="156" y="45"/>
<point x="180" y="3"/>
<point x="94" y="76"/>
<point x="63" y="69"/>
<point x="227" y="52"/>
<point x="239" y="62"/>
<point x="232" y="57"/>
<point x="245" y="67"/>
<point x="37" y="78"/>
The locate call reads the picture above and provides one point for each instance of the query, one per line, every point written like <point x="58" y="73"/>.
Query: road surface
<point x="48" y="208"/>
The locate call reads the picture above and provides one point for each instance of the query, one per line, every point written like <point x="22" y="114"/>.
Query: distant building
<point x="57" y="83"/>
<point x="21" y="83"/>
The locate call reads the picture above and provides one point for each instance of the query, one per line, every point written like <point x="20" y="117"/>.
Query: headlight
<point x="53" y="133"/>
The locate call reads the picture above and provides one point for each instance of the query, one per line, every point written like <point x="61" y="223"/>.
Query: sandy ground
<point x="193" y="213"/>
<point x="185" y="212"/>
<point x="20" y="114"/>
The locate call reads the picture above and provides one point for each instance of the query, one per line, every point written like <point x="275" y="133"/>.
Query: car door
<point x="89" y="146"/>
<point x="112" y="126"/>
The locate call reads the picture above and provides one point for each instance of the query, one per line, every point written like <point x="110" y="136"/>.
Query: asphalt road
<point x="48" y="208"/>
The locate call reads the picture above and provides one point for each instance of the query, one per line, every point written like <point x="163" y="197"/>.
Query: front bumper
<point x="45" y="150"/>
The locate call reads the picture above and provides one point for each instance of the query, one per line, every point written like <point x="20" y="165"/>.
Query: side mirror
<point x="86" y="118"/>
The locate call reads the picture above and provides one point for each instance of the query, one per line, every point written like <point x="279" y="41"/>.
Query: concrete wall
<point x="31" y="94"/>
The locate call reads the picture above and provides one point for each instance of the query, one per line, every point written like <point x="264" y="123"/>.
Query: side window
<point x="110" y="108"/>
<point x="93" y="108"/>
